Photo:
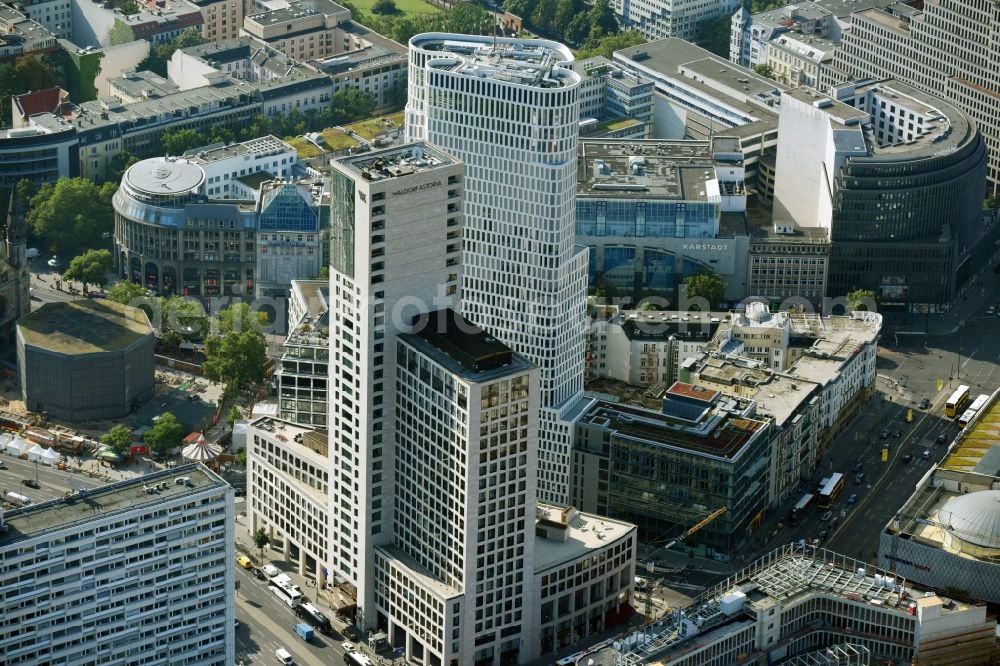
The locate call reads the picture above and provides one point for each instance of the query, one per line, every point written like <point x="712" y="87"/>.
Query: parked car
<point x="258" y="573"/>
<point x="826" y="516"/>
<point x="907" y="458"/>
<point x="31" y="483"/>
<point x="926" y="455"/>
<point x="822" y="535"/>
<point x="925" y="403"/>
<point x="859" y="478"/>
<point x="941" y="439"/>
<point x="852" y="498"/>
<point x="857" y="466"/>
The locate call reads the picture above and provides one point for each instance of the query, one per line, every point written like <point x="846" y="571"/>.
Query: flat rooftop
<point x="659" y="325"/>
<point x="35" y="521"/>
<point x="720" y="82"/>
<point x="86" y="326"/>
<point x="777" y="395"/>
<point x="645" y="168"/>
<point x="398" y="162"/>
<point x="791" y="14"/>
<point x="263" y="146"/>
<point x="787" y="574"/>
<point x="527" y="62"/>
<point x="462" y="347"/>
<point x="729" y="436"/>
<point x="977" y="448"/>
<point x="584" y="532"/>
<point x="314" y="327"/>
<point x="141" y="84"/>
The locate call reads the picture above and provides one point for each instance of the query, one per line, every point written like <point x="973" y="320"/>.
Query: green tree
<point x="468" y="19"/>
<point x="989" y="203"/>
<point x="239" y="317"/>
<point x="179" y="141"/>
<point x="91" y="267"/>
<point x="161" y="54"/>
<point x="764" y="70"/>
<point x="606" y="46"/>
<point x="35" y="74"/>
<point x="241" y="459"/>
<point x="119" y="165"/>
<point x="543" y="17"/>
<point x="862" y="299"/>
<point x="127" y="293"/>
<point x="184" y="318"/>
<point x="384" y="7"/>
<point x="602" y="18"/>
<point x="166" y="434"/>
<point x="713" y="35"/>
<point x="26" y="191"/>
<point x="522" y="8"/>
<point x="351" y="104"/>
<point x="260" y="539"/>
<point x="705" y="285"/>
<point x="235" y="414"/>
<point x="235" y="360"/>
<point x="758" y="6"/>
<point x="72" y="213"/>
<point x="10" y="85"/>
<point x="605" y="292"/>
<point x="119" y="438"/>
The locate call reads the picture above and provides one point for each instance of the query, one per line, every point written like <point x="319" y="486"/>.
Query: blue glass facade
<point x="649" y="219"/>
<point x="628" y="267"/>
<point x="287" y="210"/>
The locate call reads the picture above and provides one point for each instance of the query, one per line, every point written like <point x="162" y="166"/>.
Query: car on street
<point x="852" y="498"/>
<point x="822" y="535"/>
<point x="31" y="483"/>
<point x="857" y="466"/>
<point x="348" y="647"/>
<point x="801" y="543"/>
<point x="926" y="455"/>
<point x="925" y="403"/>
<point x="907" y="458"/>
<point x="897" y="434"/>
<point x="941" y="439"/>
<point x="258" y="573"/>
<point x="859" y="478"/>
<point x="884" y="434"/>
<point x="826" y="516"/>
<point x="3" y="465"/>
<point x="991" y="309"/>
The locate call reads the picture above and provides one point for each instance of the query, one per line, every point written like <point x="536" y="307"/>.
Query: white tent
<point x="35" y="453"/>
<point x="49" y="457"/>
<point x="17" y="446"/>
<point x="4" y="441"/>
<point x="200" y="450"/>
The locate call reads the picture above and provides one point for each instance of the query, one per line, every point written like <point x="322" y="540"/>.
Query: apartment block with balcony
<point x="151" y="556"/>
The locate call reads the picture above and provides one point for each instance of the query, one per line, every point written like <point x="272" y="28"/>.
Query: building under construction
<point x="947" y="535"/>
<point x="806" y="605"/>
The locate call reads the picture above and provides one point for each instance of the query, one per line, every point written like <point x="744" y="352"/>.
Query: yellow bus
<point x="953" y="407"/>
<point x="829" y="490"/>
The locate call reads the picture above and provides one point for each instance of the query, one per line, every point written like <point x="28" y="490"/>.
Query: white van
<point x="284" y="656"/>
<point x="271" y="571"/>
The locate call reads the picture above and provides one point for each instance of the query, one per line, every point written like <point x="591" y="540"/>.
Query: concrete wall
<point x="88" y="386"/>
<point x="669" y="120"/>
<point x="117" y="58"/>
<point x="91" y="23"/>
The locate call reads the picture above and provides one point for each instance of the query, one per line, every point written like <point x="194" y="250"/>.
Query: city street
<point x="54" y="483"/>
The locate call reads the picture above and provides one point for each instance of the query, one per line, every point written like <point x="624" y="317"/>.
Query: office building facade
<point x="396" y="224"/>
<point x="896" y="157"/>
<point x="659" y="19"/>
<point x="509" y="109"/>
<point x="949" y="50"/>
<point x="304" y="369"/>
<point x="139" y="571"/>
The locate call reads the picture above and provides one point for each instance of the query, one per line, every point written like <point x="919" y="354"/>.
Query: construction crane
<point x="698" y="526"/>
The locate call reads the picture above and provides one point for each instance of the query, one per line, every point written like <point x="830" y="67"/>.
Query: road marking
<point x="882" y="479"/>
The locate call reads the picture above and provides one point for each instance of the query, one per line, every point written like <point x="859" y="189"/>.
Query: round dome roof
<point x="164" y="176"/>
<point x="974" y="518"/>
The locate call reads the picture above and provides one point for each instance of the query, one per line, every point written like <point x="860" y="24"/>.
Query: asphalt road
<point x="266" y="624"/>
<point x="54" y="483"/>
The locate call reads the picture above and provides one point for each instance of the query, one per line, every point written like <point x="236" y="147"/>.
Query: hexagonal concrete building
<point x="85" y="360"/>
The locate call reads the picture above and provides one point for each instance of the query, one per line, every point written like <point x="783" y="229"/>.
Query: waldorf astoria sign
<point x="416" y="188"/>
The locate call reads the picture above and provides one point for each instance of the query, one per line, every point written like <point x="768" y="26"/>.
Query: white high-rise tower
<point x="509" y="109"/>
